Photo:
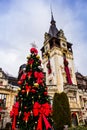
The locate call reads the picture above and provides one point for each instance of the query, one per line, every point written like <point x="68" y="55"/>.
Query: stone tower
<point x="57" y="59"/>
<point x="58" y="64"/>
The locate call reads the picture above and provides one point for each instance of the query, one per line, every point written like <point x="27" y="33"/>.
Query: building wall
<point x="7" y="96"/>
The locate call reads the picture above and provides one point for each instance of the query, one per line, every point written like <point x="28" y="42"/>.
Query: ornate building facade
<point x="8" y="90"/>
<point x="58" y="64"/>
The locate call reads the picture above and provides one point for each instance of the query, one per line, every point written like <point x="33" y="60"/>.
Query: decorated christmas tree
<point x="32" y="109"/>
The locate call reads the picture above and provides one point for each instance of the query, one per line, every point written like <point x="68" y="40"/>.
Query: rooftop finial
<point x="33" y="44"/>
<point x="53" y="31"/>
<point x="52" y="18"/>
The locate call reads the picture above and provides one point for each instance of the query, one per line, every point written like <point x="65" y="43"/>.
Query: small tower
<point x="57" y="59"/>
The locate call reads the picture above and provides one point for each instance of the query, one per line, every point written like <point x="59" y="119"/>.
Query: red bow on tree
<point x="43" y="110"/>
<point x="39" y="76"/>
<point x="39" y="81"/>
<point x="34" y="50"/>
<point x="14" y="114"/>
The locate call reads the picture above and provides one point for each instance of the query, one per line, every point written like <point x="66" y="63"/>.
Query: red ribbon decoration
<point x="28" y="88"/>
<point x="68" y="74"/>
<point x="23" y="77"/>
<point x="26" y="116"/>
<point x="30" y="61"/>
<point x="14" y="113"/>
<point x="42" y="110"/>
<point x="49" y="67"/>
<point x="29" y="74"/>
<point x="67" y="71"/>
<point x="39" y="81"/>
<point x="34" y="50"/>
<point x="39" y="76"/>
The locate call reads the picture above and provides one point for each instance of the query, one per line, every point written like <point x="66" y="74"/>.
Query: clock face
<point x="64" y="45"/>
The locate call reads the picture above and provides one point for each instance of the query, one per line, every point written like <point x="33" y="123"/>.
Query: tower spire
<point x="53" y="31"/>
<point x="52" y="18"/>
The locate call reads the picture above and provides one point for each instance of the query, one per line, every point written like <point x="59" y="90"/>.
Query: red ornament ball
<point x="19" y="82"/>
<point x="33" y="91"/>
<point x="23" y="91"/>
<point x="45" y="93"/>
<point x="25" y="107"/>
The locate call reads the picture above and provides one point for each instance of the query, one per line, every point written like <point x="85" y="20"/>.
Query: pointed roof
<point x="52" y="18"/>
<point x="53" y="31"/>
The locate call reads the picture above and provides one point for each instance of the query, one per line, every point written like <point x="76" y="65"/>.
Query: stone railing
<point x="68" y="87"/>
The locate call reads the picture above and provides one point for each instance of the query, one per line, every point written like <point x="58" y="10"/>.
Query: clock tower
<point x="58" y="65"/>
<point x="57" y="59"/>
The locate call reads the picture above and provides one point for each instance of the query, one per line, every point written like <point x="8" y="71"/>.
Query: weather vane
<point x="33" y="44"/>
<point x="51" y="9"/>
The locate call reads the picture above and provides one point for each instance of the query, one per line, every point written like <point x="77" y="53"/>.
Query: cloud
<point x="23" y="22"/>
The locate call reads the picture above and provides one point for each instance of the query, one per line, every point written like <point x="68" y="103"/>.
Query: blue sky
<point x="23" y="22"/>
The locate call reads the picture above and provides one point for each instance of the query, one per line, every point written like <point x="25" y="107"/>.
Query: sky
<point x="23" y="22"/>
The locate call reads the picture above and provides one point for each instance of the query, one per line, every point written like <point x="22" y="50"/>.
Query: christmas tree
<point x="32" y="109"/>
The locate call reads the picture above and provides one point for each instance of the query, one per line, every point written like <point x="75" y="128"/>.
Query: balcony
<point x="68" y="87"/>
